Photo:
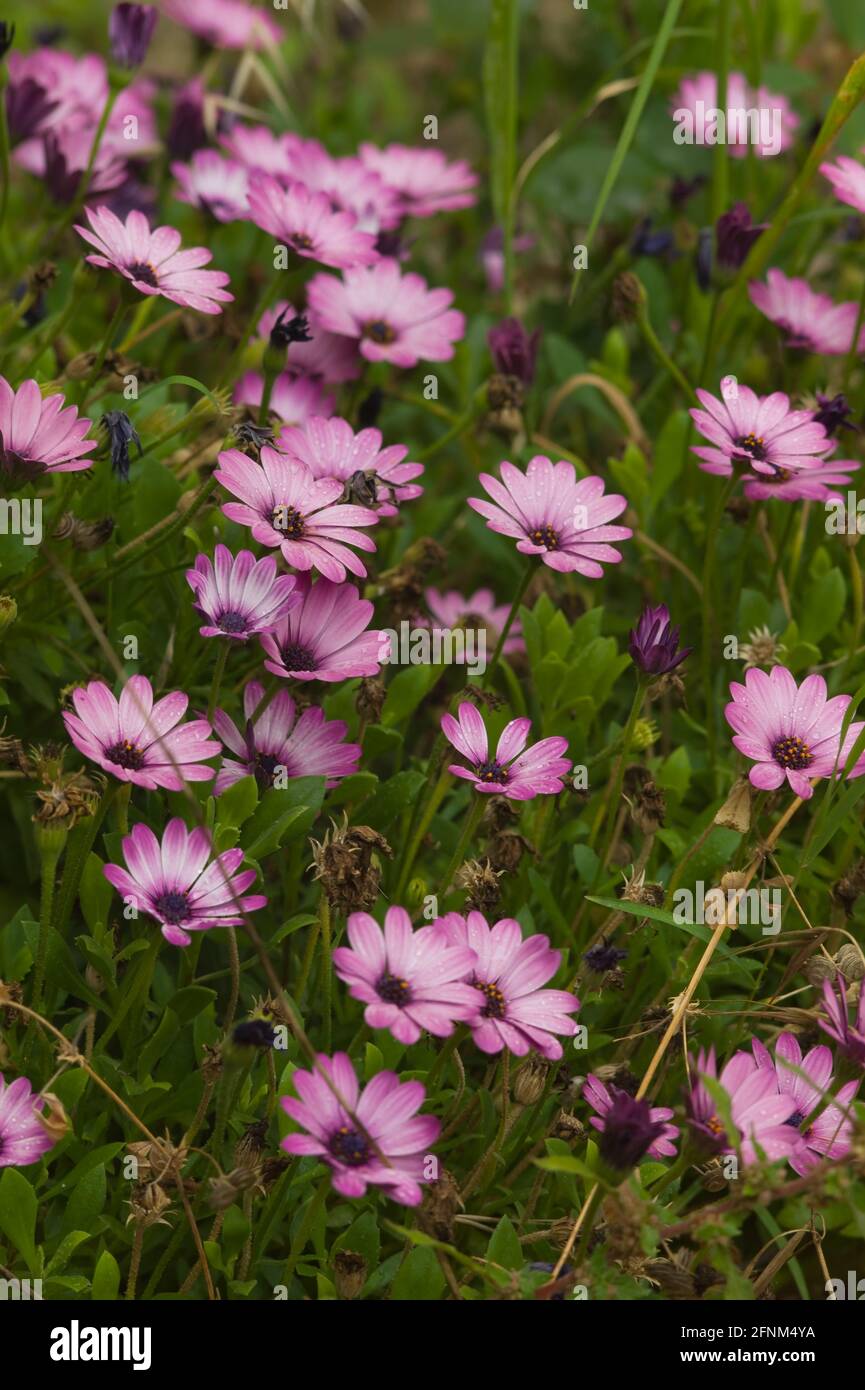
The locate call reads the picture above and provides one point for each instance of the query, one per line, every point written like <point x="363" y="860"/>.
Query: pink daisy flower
<point x="219" y="186"/>
<point x="511" y="772"/>
<point x="601" y="1099"/>
<point x="348" y="184"/>
<point x="256" y="147"/>
<point x="293" y="398"/>
<point x="331" y="449"/>
<point x="175" y="882"/>
<point x="847" y="177"/>
<point x="310" y="746"/>
<point x="285" y="506"/>
<point x="850" y="1037"/>
<point x="394" y="317"/>
<point x="66" y="155"/>
<point x="788" y="730"/>
<point x="778" y="120"/>
<point x="758" y="433"/>
<point x="816" y="484"/>
<point x="759" y="1111"/>
<point x="808" y="1081"/>
<point x="139" y="741"/>
<point x="238" y="595"/>
<point x="39" y="435"/>
<point x="548" y="513"/>
<point x="326" y="637"/>
<point x="153" y="262"/>
<point x="410" y="981"/>
<point x="226" y="23"/>
<point x="513" y="1010"/>
<point x="23" y="1139"/>
<point x="811" y="321"/>
<point x="327" y="356"/>
<point x="426" y="181"/>
<point x="479" y="610"/>
<point x="374" y="1136"/>
<point x="308" y="225"/>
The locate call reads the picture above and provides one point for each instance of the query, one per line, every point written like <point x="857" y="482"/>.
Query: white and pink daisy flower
<point x="777" y="124"/>
<point x="327" y="356"/>
<point x="601" y="1099"/>
<point x="238" y="595"/>
<point x="310" y="746"/>
<point x="285" y="506"/>
<point x="759" y="1111"/>
<point x="178" y="884"/>
<point x="23" y="1138"/>
<point x="509" y="772"/>
<point x="514" y="1011"/>
<point x="308" y="225"/>
<point x="219" y="186"/>
<point x="39" y="435"/>
<point x="293" y="398"/>
<point x="808" y="1080"/>
<point x="759" y="434"/>
<point x="410" y="981"/>
<point x="326" y="637"/>
<point x="790" y="731"/>
<point x="477" y="610"/>
<point x="548" y="513"/>
<point x="151" y="259"/>
<point x="258" y="148"/>
<point x="813" y="484"/>
<point x="394" y="317"/>
<point x="812" y="322"/>
<point x="139" y="741"/>
<point x="847" y="177"/>
<point x="348" y="184"/>
<point x="226" y="23"/>
<point x="331" y="449"/>
<point x="382" y="1142"/>
<point x="850" y="1037"/>
<point x="426" y="181"/>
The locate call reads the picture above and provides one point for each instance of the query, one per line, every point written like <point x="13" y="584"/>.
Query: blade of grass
<point x="501" y="96"/>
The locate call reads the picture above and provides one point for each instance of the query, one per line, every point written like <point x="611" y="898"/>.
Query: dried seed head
<point x="250" y="1146"/>
<point x="440" y="1204"/>
<point x="345" y="861"/>
<point x="157" y="1160"/>
<point x="846" y="891"/>
<point x="628" y="298"/>
<point x="148" y="1204"/>
<point x="568" y="1127"/>
<point x="480" y="882"/>
<point x="225" y="1189"/>
<point x="84" y="535"/>
<point x="370" y="699"/>
<point x="530" y="1080"/>
<point x="818" y="969"/>
<point x="53" y="1119"/>
<point x="506" y="850"/>
<point x="349" y="1273"/>
<point x="675" y="1281"/>
<point x="735" y="814"/>
<point x="762" y="648"/>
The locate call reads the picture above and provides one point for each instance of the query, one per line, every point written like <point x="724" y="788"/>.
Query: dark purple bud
<point x="833" y="414"/>
<point x="130" y="29"/>
<point x="370" y="408"/>
<point x="121" y="433"/>
<point x="683" y="189"/>
<point x="186" y="130"/>
<point x="294" y="330"/>
<point x="61" y="179"/>
<point x="735" y="234"/>
<point x="703" y="261"/>
<point x="648" y="243"/>
<point x="28" y="106"/>
<point x="256" y="1032"/>
<point x="628" y="1131"/>
<point x="654" y="642"/>
<point x="514" y="350"/>
<point x="603" y="957"/>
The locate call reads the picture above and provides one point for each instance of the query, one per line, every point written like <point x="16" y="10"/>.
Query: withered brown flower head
<point x="148" y="1204"/>
<point x="370" y="699"/>
<point x="84" y="535"/>
<point x="404" y="584"/>
<point x="480" y="882"/>
<point x="438" y="1209"/>
<point x="349" y="1273"/>
<point x="345" y="863"/>
<point x="648" y="805"/>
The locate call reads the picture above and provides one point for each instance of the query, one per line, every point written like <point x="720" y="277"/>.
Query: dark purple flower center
<point x="792" y="752"/>
<point x="379" y="331"/>
<point x="350" y="1147"/>
<point x="545" y="536"/>
<point x="232" y="622"/>
<point x="298" y="659"/>
<point x="16" y="470"/>
<point x="795" y="1120"/>
<point x="172" y="907"/>
<point x="265" y="767"/>
<point x="491" y="772"/>
<point x="143" y="271"/>
<point x="126" y="755"/>
<point x="393" y="990"/>
<point x="288" y="520"/>
<point x="755" y="444"/>
<point x="495" y="1001"/>
<point x="301" y="242"/>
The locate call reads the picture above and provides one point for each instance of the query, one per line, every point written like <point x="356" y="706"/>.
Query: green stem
<point x="433" y="802"/>
<point x="96" y="369"/>
<point x="655" y="346"/>
<point x="326" y="971"/>
<point x="50" y="853"/>
<point x="218" y="673"/>
<point x="853" y="354"/>
<point x="509" y="621"/>
<point x="612" y="808"/>
<point x="708" y="603"/>
<point x="470" y="825"/>
<point x="720" y="167"/>
<point x="298" y="1245"/>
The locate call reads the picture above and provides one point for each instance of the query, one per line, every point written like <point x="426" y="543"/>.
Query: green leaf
<point x="669" y="456"/>
<point x="283" y="814"/>
<point x="420" y="1279"/>
<point x="504" y="1247"/>
<point x="238" y="802"/>
<point x="188" y="1003"/>
<point x="95" y="893"/>
<point x="823" y="606"/>
<point x="106" y="1278"/>
<point x="18" y="1215"/>
<point x="392" y="797"/>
